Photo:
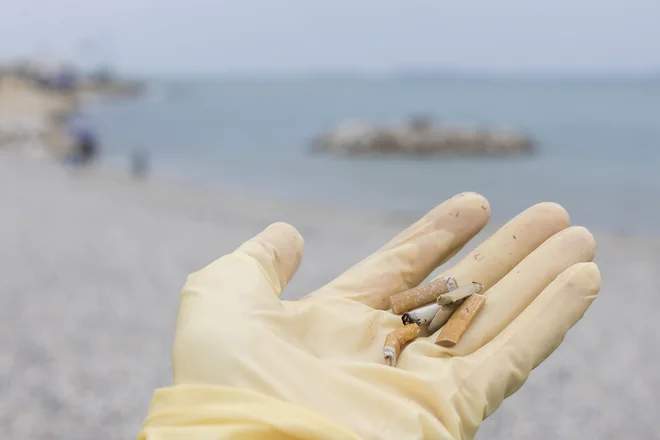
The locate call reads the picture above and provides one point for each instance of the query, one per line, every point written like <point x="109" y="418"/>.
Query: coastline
<point x="94" y="261"/>
<point x="32" y="117"/>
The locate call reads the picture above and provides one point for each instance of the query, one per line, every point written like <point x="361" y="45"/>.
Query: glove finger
<point x="218" y="301"/>
<point x="503" y="250"/>
<point x="252" y="276"/>
<point x="278" y="250"/>
<point x="501" y="367"/>
<point x="412" y="255"/>
<point x="513" y="293"/>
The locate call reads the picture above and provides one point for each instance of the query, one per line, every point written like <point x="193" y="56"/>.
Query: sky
<point x="221" y="36"/>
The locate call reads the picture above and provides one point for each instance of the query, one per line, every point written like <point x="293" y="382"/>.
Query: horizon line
<point x="404" y="74"/>
<point x="411" y="71"/>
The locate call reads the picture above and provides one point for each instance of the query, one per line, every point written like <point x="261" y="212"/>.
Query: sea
<point x="597" y="141"/>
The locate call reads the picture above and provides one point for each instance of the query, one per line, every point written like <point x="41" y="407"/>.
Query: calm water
<point x="599" y="142"/>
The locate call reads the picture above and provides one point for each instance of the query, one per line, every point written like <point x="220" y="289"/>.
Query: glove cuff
<point x="212" y="412"/>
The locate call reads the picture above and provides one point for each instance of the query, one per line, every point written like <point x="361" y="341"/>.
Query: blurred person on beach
<point x="139" y="163"/>
<point x="85" y="139"/>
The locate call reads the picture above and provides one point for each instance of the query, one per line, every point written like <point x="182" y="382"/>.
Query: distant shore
<point x="32" y="115"/>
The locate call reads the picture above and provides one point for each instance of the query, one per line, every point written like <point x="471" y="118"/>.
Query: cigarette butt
<point x="452" y="332"/>
<point x="397" y="339"/>
<point x="459" y="294"/>
<point x="421" y="315"/>
<point x="421" y="295"/>
<point x="442" y="316"/>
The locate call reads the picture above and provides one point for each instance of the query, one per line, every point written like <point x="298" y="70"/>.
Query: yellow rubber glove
<point x="248" y="365"/>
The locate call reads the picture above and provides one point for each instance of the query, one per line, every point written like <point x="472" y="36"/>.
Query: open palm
<point x="320" y="358"/>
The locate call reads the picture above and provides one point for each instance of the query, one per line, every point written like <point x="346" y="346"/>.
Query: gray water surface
<point x="599" y="142"/>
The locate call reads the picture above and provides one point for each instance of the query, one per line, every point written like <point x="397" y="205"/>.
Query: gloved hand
<point x="248" y="365"/>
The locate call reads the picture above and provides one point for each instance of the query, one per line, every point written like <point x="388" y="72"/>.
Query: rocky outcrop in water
<point x="421" y="137"/>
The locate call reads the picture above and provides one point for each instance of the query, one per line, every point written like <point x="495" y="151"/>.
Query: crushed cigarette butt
<point x="421" y="295"/>
<point x="460" y="320"/>
<point x="459" y="293"/>
<point x="442" y="316"/>
<point x="421" y="315"/>
<point x="395" y="341"/>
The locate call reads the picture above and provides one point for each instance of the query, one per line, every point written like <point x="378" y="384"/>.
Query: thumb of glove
<point x="253" y="276"/>
<point x="215" y="299"/>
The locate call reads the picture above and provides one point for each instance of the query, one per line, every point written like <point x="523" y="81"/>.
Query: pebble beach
<point x="93" y="263"/>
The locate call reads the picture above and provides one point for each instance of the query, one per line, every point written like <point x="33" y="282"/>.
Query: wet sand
<point x="92" y="265"/>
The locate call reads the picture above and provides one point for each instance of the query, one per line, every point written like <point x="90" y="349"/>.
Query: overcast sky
<point x="207" y="36"/>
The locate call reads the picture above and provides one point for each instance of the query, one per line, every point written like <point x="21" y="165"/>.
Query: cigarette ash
<point x="390" y="355"/>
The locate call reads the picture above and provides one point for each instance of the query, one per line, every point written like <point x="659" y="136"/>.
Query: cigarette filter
<point x="442" y="316"/>
<point x="459" y="293"/>
<point x="397" y="339"/>
<point x="421" y="295"/>
<point x="452" y="332"/>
